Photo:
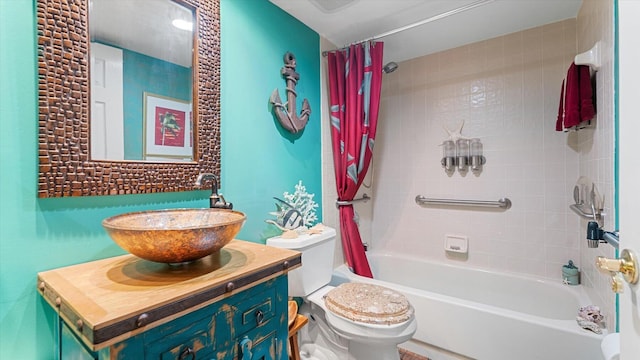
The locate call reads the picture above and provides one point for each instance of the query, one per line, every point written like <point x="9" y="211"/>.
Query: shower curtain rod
<point x="421" y="22"/>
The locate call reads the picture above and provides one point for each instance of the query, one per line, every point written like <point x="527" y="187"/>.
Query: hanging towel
<point x="560" y="119"/>
<point x="576" y="99"/>
<point x="587" y="110"/>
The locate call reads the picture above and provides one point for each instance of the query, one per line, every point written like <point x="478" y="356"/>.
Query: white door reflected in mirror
<point x="107" y="123"/>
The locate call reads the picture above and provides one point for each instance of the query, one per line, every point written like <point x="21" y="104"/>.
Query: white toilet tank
<point x="317" y="260"/>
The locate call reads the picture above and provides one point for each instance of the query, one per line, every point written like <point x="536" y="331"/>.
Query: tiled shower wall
<point x="505" y="91"/>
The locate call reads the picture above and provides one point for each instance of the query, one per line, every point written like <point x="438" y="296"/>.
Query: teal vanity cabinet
<point x="230" y="305"/>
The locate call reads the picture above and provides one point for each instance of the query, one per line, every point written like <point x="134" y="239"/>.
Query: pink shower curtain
<point x="355" y="79"/>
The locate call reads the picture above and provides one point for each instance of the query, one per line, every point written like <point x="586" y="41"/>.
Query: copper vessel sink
<point x="174" y="235"/>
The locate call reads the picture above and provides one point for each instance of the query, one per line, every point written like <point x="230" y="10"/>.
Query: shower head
<point x="390" y="67"/>
<point x="594" y="234"/>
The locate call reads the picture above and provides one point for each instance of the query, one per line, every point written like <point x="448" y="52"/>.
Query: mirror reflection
<point x="142" y="80"/>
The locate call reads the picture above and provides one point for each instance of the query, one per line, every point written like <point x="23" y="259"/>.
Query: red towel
<point x="576" y="98"/>
<point x="587" y="110"/>
<point x="560" y="119"/>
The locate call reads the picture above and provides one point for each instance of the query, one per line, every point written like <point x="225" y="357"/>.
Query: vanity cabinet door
<point x="252" y="325"/>
<point x="264" y="349"/>
<point x="71" y="347"/>
<point x="253" y="312"/>
<point x="193" y="341"/>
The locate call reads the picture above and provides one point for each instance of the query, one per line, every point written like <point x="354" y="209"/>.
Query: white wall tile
<point x="504" y="95"/>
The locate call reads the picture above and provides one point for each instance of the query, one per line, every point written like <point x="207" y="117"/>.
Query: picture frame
<point x="168" y="129"/>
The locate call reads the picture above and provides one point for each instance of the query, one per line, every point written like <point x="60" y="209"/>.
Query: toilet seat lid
<point x="368" y="303"/>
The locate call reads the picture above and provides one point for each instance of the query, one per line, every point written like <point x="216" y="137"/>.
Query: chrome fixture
<point x="390" y="67"/>
<point x="216" y="200"/>
<point x="595" y="235"/>
<point x="364" y="198"/>
<point x="596" y="213"/>
<point x="463" y="153"/>
<point x="503" y="203"/>
<point x="417" y="23"/>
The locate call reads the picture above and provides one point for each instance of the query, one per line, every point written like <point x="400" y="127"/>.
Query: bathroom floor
<point x="408" y="355"/>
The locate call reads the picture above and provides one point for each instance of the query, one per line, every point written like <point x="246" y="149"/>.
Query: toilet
<point x="372" y="320"/>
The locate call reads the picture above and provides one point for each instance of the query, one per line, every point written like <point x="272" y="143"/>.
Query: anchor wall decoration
<point x="286" y="113"/>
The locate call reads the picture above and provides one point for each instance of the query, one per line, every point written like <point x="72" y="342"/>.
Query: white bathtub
<point x="485" y="315"/>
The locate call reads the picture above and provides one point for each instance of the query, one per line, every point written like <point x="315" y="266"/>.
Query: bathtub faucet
<point x="216" y="201"/>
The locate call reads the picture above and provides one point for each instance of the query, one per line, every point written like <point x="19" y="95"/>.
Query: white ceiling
<point x="346" y="21"/>
<point x="143" y="26"/>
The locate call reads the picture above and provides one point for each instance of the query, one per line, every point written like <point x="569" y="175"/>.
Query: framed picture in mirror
<point x="168" y="129"/>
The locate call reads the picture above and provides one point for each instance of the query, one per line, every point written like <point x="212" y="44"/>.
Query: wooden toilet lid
<point x="368" y="303"/>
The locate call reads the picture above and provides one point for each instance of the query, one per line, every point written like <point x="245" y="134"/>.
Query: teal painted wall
<point x="257" y="153"/>
<point x="259" y="160"/>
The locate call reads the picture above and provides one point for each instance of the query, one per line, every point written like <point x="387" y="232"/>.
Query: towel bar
<point x="503" y="203"/>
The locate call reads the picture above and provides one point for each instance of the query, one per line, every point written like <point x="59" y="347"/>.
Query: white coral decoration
<point x="303" y="202"/>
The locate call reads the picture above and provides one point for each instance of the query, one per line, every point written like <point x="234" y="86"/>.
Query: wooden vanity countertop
<point x="110" y="300"/>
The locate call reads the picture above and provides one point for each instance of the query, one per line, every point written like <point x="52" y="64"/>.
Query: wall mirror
<point x="165" y="127"/>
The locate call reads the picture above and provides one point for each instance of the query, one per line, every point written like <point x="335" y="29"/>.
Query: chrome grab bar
<point x="364" y="198"/>
<point x="503" y="203"/>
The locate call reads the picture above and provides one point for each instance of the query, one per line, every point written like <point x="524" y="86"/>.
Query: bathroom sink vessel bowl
<point x="174" y="235"/>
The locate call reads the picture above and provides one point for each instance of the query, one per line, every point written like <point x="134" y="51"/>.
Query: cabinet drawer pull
<point x="186" y="352"/>
<point x="245" y="346"/>
<point x="142" y="320"/>
<point x="259" y="317"/>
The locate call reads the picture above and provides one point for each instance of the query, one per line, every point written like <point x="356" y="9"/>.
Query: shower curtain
<point x="355" y="79"/>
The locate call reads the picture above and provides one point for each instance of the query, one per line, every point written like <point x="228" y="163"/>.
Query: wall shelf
<point x="591" y="57"/>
